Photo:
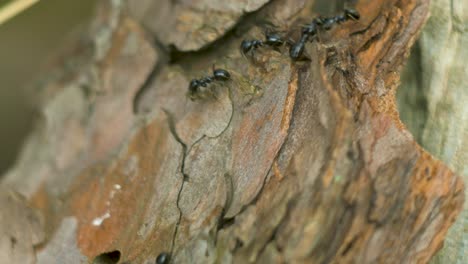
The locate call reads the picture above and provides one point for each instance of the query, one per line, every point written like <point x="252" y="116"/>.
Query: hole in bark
<point x="239" y="244"/>
<point x="107" y="258"/>
<point x="348" y="247"/>
<point x="13" y="241"/>
<point x="226" y="222"/>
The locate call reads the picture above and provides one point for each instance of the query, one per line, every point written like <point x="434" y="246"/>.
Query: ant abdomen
<point x="221" y="75"/>
<point x="296" y="51"/>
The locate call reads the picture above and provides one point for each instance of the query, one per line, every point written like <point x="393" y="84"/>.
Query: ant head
<point x="310" y="29"/>
<point x="352" y="14"/>
<point x="193" y="86"/>
<point x="245" y="46"/>
<point x="319" y="20"/>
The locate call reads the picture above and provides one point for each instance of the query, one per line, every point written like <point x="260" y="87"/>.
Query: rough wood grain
<point x="20" y="230"/>
<point x="190" y="25"/>
<point x="301" y="162"/>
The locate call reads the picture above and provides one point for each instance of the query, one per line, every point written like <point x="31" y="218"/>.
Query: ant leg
<point x="212" y="92"/>
<point x="277" y="49"/>
<point x="290" y="41"/>
<point x="318" y="37"/>
<point x="304" y="57"/>
<point x="268" y="26"/>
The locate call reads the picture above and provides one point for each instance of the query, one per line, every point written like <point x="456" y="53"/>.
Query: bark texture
<point x="301" y="162"/>
<point x="433" y="102"/>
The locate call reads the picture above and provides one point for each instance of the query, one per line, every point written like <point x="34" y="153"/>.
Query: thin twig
<point x="13" y="8"/>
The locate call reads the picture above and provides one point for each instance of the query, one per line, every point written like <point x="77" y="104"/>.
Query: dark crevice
<point x="369" y="43"/>
<point x="230" y="118"/>
<point x="162" y="60"/>
<point x="146" y="85"/>
<point x="112" y="257"/>
<point x="173" y="131"/>
<point x="257" y="196"/>
<point x="239" y="244"/>
<point x="349" y="246"/>
<point x="223" y="222"/>
<point x="179" y="219"/>
<point x="185" y="59"/>
<point x="170" y="55"/>
<point x="13" y="241"/>
<point x="189" y="149"/>
<point x="240" y="28"/>
<point x="362" y="31"/>
<point x="226" y="222"/>
<point x="423" y="229"/>
<point x="291" y="203"/>
<point x="341" y="229"/>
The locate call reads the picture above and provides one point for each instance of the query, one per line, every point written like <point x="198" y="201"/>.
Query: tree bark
<point x="301" y="162"/>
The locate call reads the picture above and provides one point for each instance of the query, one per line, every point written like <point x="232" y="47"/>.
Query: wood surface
<point x="296" y="162"/>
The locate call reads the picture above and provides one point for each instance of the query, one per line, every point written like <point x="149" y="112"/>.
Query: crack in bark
<point x="242" y="26"/>
<point x="186" y="150"/>
<point x="362" y="31"/>
<point x="257" y="196"/>
<point x="173" y="131"/>
<point x="222" y="221"/>
<point x="291" y="203"/>
<point x="401" y="193"/>
<point x="369" y="42"/>
<point x="189" y="149"/>
<point x="161" y="61"/>
<point x="435" y="211"/>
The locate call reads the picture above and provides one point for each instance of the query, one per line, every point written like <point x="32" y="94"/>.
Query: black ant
<point x="271" y="39"/>
<point x="310" y="31"/>
<point x="328" y="23"/>
<point x="163" y="258"/>
<point x="196" y="84"/>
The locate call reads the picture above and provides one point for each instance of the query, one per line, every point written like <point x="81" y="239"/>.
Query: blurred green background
<point x="26" y="41"/>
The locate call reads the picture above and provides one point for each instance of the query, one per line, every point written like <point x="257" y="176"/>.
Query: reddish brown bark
<point x="302" y="162"/>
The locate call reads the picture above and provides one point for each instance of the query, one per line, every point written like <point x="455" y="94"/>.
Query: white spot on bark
<point x="98" y="220"/>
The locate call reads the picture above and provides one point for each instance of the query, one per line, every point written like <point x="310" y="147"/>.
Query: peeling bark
<point x="302" y="162"/>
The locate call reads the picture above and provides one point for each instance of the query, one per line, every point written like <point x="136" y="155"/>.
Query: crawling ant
<point x="271" y="39"/>
<point x="196" y="84"/>
<point x="163" y="258"/>
<point x="310" y="31"/>
<point x="348" y="14"/>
